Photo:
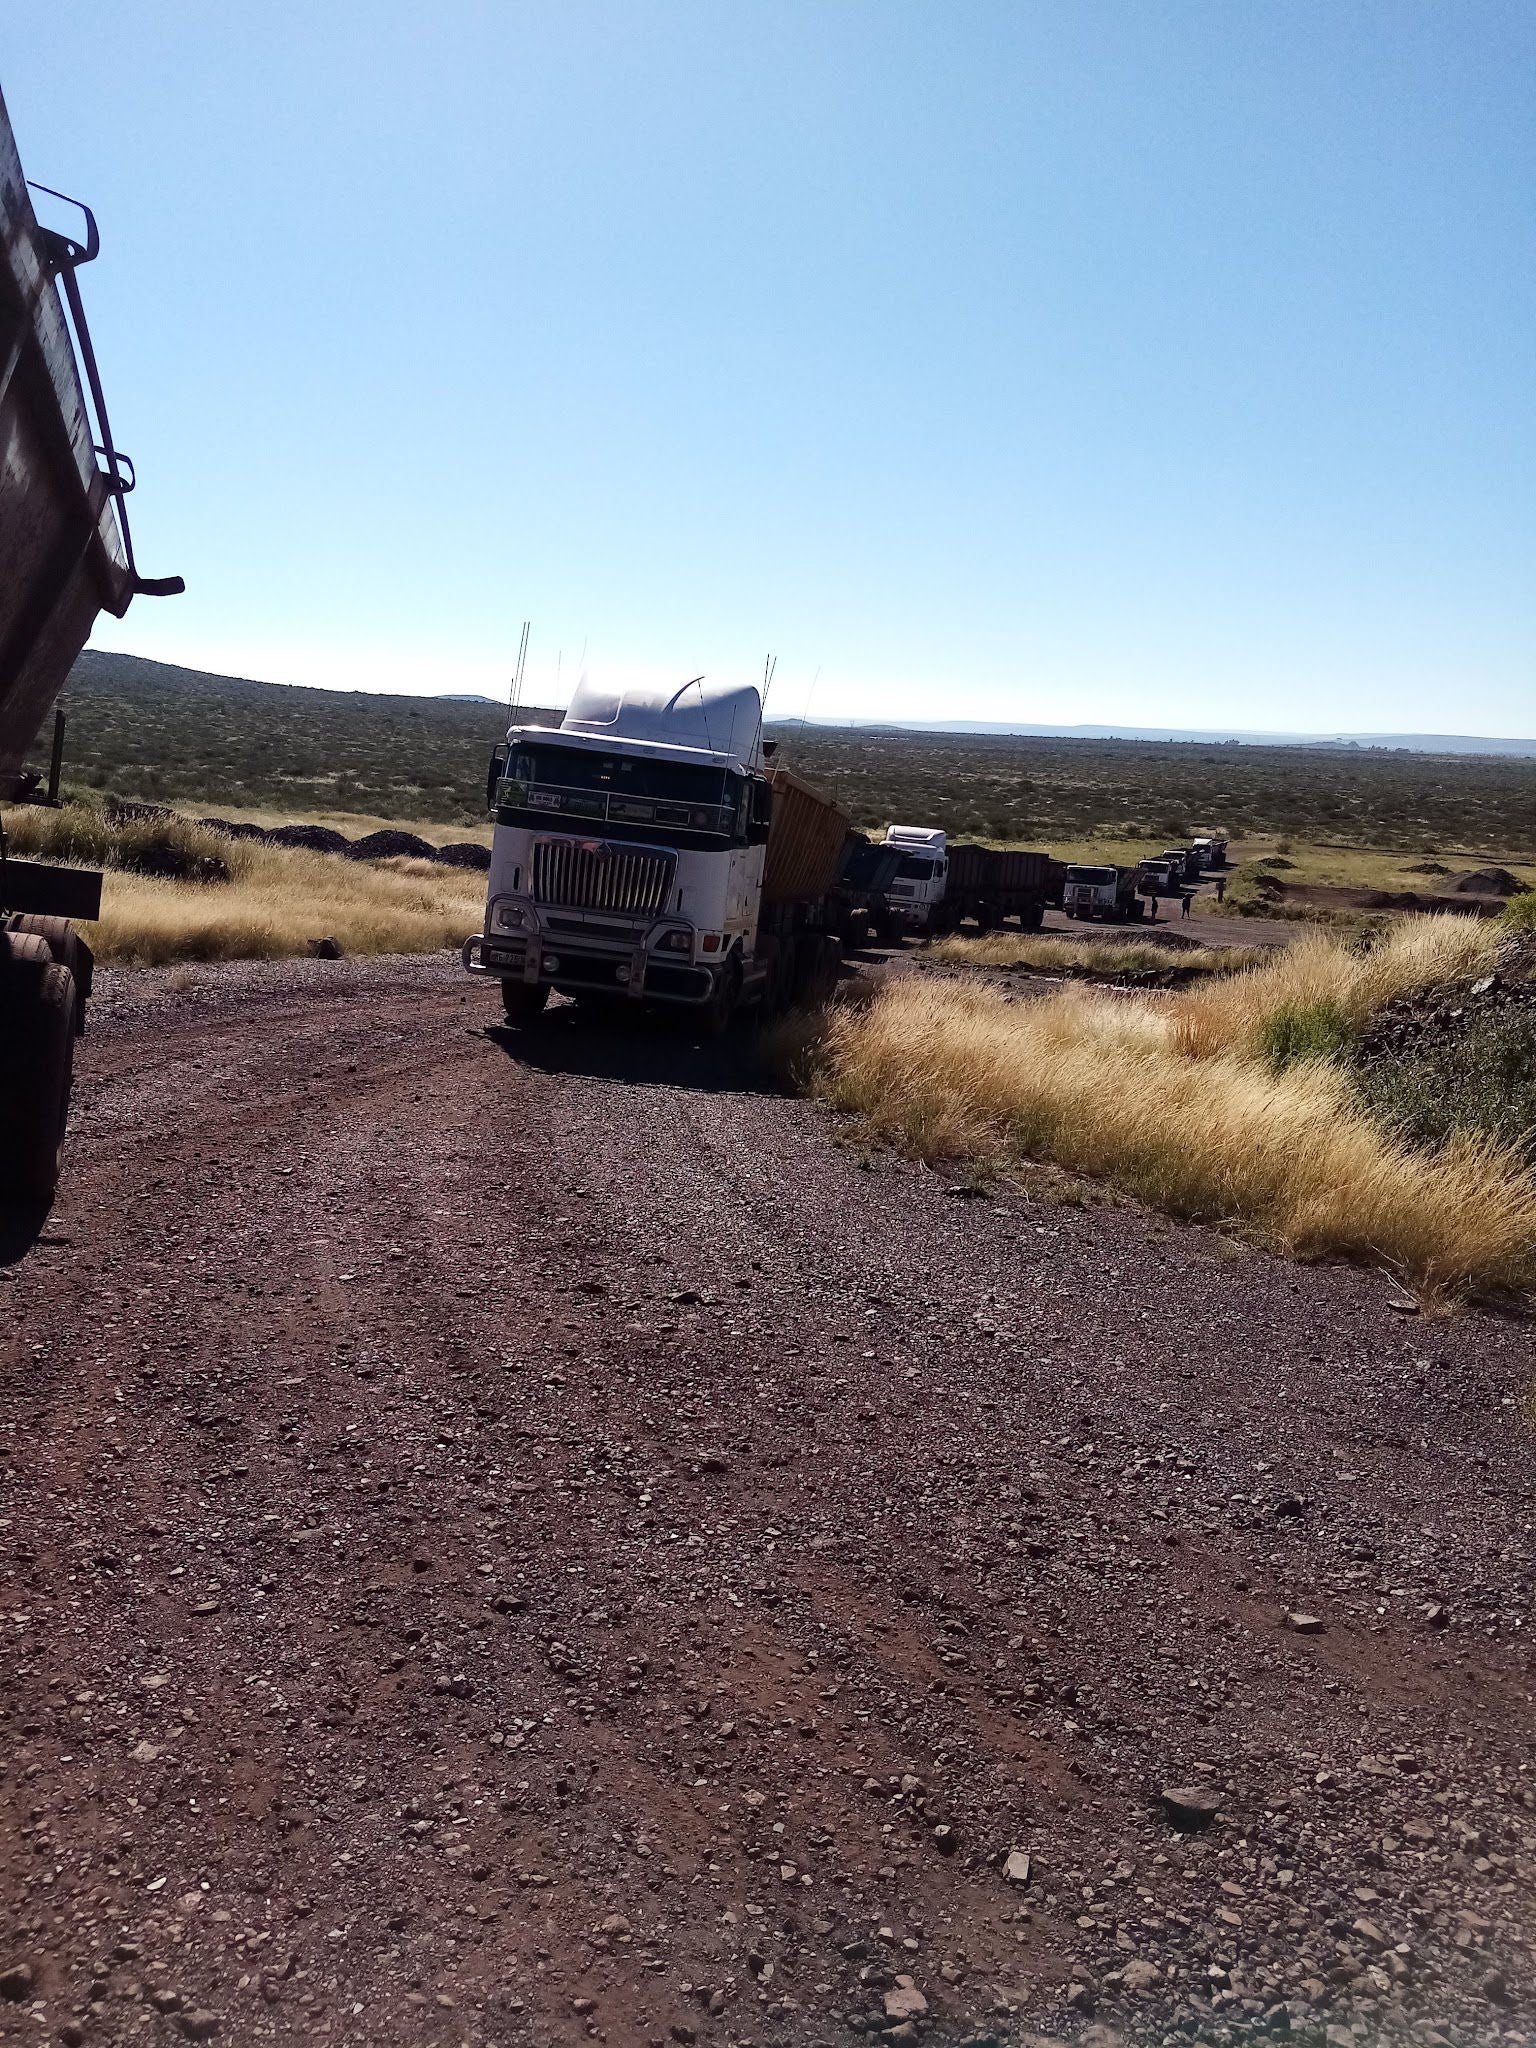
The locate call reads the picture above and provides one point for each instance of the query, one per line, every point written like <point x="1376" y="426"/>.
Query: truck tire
<point x="1032" y="916"/>
<point x="38" y="1004"/>
<point x="67" y="947"/>
<point x="719" y="1013"/>
<point x="522" y="1001"/>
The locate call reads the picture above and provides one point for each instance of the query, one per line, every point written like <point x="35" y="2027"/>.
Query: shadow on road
<point x="645" y="1048"/>
<point x="20" y="1230"/>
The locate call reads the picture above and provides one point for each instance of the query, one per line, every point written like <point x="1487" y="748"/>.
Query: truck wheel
<point x="67" y="947"/>
<point x="38" y="1003"/>
<point x="720" y="1011"/>
<point x="522" y="1001"/>
<point x="1032" y="917"/>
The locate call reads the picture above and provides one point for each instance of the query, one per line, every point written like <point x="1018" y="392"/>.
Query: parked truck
<point x="1109" y="893"/>
<point x="991" y="885"/>
<point x="1211" y="849"/>
<point x="66" y="554"/>
<point x="940" y="884"/>
<point x="917" y="888"/>
<point x="649" y="850"/>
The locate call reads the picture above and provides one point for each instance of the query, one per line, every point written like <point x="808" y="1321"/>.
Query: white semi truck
<point x="917" y="889"/>
<point x="649" y="851"/>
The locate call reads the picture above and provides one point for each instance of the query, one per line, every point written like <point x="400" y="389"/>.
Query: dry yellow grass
<point x="1125" y="1091"/>
<point x="1416" y="953"/>
<point x="274" y="902"/>
<point x="1093" y="956"/>
<point x="279" y="904"/>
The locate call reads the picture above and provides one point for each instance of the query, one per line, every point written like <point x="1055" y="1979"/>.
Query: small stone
<point x="1140" y="1975"/>
<point x="1189" y="1807"/>
<point x="143" y="1753"/>
<point x="904" y="2001"/>
<point x="1304" y="1624"/>
<point x="1016" y="1869"/>
<point x="72" y="2034"/>
<point x="197" y="2025"/>
<point x="583" y="2005"/>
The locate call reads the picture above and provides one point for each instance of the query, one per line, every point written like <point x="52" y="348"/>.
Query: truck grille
<point x="582" y="874"/>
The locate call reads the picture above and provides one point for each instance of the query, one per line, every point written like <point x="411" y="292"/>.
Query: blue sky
<point x="1143" y="360"/>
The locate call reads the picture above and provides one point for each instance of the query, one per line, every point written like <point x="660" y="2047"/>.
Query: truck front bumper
<point x="582" y="964"/>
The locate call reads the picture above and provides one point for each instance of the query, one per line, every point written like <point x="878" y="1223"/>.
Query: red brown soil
<point x="520" y="1541"/>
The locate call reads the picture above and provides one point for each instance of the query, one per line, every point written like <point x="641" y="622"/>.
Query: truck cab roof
<point x="706" y="725"/>
<point x="915" y="835"/>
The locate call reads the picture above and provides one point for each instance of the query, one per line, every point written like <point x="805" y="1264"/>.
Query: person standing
<point x="1186" y="897"/>
<point x="1221" y="888"/>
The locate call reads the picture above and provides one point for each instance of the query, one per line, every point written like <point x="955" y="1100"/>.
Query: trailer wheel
<point x="67" y="947"/>
<point x="38" y="1002"/>
<point x="1032" y="917"/>
<point x="522" y="1001"/>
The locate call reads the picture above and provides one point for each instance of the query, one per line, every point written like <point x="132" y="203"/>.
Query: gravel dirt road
<point x="535" y="1540"/>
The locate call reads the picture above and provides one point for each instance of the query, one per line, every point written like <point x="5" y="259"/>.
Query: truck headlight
<point x="675" y="941"/>
<point x="511" y="916"/>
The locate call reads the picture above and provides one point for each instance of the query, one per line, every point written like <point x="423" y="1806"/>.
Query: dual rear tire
<point x="40" y="1007"/>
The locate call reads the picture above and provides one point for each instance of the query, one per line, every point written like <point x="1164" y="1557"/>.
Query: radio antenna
<point x="770" y="669"/>
<point x="514" y="704"/>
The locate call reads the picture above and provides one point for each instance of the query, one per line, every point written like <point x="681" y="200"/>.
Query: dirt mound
<point x="232" y="830"/>
<point x="308" y="838"/>
<point x="120" y="811"/>
<point x="1327" y="896"/>
<point x="464" y="853"/>
<point x="1426" y="867"/>
<point x="1486" y="882"/>
<point x="1410" y="1023"/>
<point x="389" y="845"/>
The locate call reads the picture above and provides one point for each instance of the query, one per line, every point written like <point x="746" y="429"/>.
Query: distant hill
<point x="1402" y="742"/>
<point x="147" y="729"/>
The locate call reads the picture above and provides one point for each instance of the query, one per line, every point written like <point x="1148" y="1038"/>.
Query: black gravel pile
<point x="391" y="845"/>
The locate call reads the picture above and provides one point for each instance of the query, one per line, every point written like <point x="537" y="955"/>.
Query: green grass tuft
<point x="1296" y="1032"/>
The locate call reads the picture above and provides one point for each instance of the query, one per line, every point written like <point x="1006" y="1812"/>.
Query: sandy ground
<point x="528" y="1540"/>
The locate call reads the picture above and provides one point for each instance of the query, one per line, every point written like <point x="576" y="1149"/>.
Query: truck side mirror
<point x="759" y="813"/>
<point x="493" y="776"/>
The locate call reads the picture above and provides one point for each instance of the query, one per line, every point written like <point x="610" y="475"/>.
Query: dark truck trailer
<point x="860" y="902"/>
<point x="66" y="555"/>
<point x="991" y="884"/>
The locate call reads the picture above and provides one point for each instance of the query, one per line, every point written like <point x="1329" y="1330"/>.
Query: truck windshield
<point x="915" y="869"/>
<point x="624" y="788"/>
<point x="1098" y="877"/>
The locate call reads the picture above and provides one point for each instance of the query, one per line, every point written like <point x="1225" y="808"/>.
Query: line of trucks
<point x="650" y="849"/>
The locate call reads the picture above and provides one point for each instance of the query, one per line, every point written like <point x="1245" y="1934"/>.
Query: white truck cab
<point x="918" y="887"/>
<point x="627" y="858"/>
